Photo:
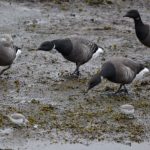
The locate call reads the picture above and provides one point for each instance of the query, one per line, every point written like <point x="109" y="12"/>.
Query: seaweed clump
<point x="97" y="2"/>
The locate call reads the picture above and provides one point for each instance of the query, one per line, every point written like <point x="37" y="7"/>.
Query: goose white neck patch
<point x="141" y="73"/>
<point x="98" y="52"/>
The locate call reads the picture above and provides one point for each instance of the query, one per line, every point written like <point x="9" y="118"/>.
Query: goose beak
<point x="87" y="90"/>
<point x="38" y="49"/>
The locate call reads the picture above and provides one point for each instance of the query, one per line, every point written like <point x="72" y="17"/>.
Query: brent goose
<point x="142" y="30"/>
<point x="118" y="70"/>
<point x="74" y="49"/>
<point x="8" y="52"/>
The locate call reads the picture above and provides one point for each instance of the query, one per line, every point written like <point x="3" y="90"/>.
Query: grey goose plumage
<point x="8" y="52"/>
<point x="142" y="30"/>
<point x="74" y="49"/>
<point x="118" y="70"/>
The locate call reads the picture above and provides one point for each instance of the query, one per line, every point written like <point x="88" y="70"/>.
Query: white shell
<point x="18" y="119"/>
<point x="141" y="73"/>
<point x="98" y="52"/>
<point x="127" y="109"/>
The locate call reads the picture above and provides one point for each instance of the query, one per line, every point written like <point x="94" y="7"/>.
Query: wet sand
<point x="38" y="86"/>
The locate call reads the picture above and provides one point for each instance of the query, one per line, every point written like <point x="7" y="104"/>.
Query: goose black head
<point x="46" y="46"/>
<point x="95" y="80"/>
<point x="134" y="14"/>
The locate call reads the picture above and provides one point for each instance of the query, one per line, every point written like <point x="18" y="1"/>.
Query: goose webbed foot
<point x="125" y="90"/>
<point x="5" y="69"/>
<point x="76" y="73"/>
<point x="122" y="90"/>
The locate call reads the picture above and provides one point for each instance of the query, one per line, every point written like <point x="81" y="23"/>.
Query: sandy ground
<point x="38" y="86"/>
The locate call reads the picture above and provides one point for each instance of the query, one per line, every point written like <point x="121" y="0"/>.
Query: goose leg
<point x="125" y="89"/>
<point x="122" y="90"/>
<point x="119" y="89"/>
<point x="5" y="69"/>
<point x="76" y="72"/>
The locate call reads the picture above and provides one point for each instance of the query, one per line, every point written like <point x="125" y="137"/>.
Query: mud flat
<point x="58" y="110"/>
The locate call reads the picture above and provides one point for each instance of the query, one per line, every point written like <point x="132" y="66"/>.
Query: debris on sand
<point x="18" y="119"/>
